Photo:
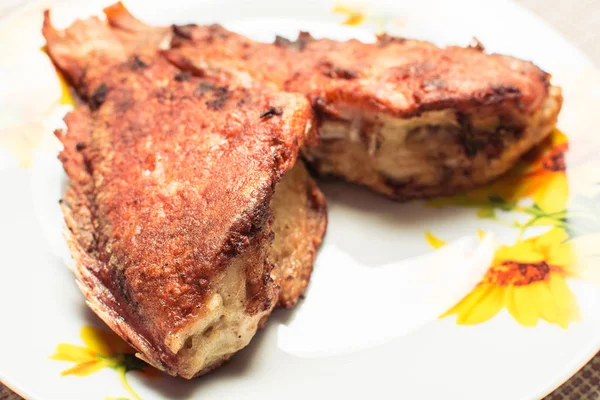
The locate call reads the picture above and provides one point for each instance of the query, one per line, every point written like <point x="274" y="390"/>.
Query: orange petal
<point x="84" y="369"/>
<point x="71" y="352"/>
<point x="354" y="19"/>
<point x="515" y="186"/>
<point x="558" y="138"/>
<point x="353" y="16"/>
<point x="553" y="195"/>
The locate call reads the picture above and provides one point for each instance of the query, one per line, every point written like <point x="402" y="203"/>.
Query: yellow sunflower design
<point x="528" y="279"/>
<point x="360" y="12"/>
<point x="102" y="349"/>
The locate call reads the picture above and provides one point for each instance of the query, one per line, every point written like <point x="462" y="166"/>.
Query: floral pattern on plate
<point x="529" y="277"/>
<point x="102" y="349"/>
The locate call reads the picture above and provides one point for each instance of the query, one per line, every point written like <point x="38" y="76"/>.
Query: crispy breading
<point x="171" y="182"/>
<point x="404" y="117"/>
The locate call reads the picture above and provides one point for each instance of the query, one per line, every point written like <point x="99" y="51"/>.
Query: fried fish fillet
<point x="403" y="117"/>
<point x="171" y="193"/>
<point x="300" y="220"/>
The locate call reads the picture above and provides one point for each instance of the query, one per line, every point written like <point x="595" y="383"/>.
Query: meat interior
<point x="300" y="220"/>
<point x="436" y="153"/>
<point x="227" y="325"/>
<point x="299" y="223"/>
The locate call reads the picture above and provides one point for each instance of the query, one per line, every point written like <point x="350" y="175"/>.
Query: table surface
<point x="576" y="20"/>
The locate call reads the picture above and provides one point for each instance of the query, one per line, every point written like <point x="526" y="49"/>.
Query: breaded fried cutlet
<point x="172" y="190"/>
<point x="403" y="117"/>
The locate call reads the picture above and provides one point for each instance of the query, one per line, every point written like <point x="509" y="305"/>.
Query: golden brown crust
<point x="405" y="78"/>
<point x="396" y="76"/>
<point x="171" y="181"/>
<point x="403" y="117"/>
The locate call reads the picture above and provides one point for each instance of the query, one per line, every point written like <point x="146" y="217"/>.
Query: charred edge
<point x="476" y="45"/>
<point x="299" y="44"/>
<point x="499" y="93"/>
<point x="332" y="71"/>
<point x="98" y="97"/>
<point x="271" y="112"/>
<point x="137" y="63"/>
<point x="280" y="41"/>
<point x="222" y="94"/>
<point x="204" y="87"/>
<point x="407" y="189"/>
<point x="385" y="39"/>
<point x="323" y="110"/>
<point x="411" y="70"/>
<point x="398" y="186"/>
<point x="184" y="31"/>
<point x="545" y="77"/>
<point x="509" y="125"/>
<point x="218" y="31"/>
<point x="247" y="227"/>
<point x="79" y="146"/>
<point x="281" y="157"/>
<point x="495" y="142"/>
<point x="183" y="76"/>
<point x="500" y="136"/>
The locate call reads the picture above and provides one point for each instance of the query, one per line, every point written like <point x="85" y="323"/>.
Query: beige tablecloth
<point x="579" y="21"/>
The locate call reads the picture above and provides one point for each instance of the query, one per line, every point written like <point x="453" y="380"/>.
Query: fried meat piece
<point x="300" y="220"/>
<point x="403" y="117"/>
<point x="171" y="180"/>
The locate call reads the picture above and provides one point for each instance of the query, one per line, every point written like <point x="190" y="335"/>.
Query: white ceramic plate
<point x="388" y="340"/>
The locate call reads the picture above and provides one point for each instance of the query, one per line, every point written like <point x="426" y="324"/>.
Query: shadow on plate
<point x="375" y="230"/>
